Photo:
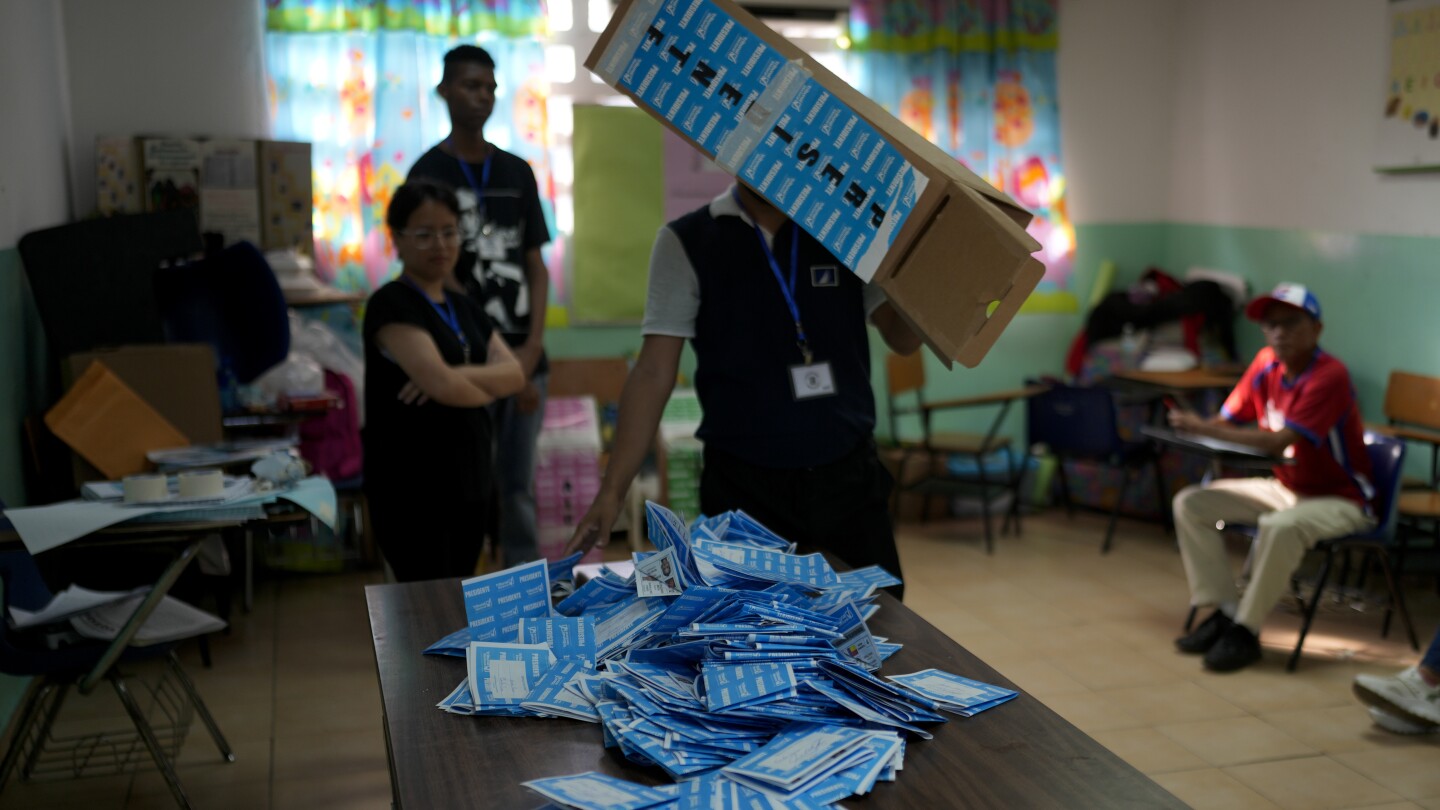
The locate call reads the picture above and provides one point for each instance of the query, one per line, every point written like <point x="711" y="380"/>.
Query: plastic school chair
<point x="26" y="654"/>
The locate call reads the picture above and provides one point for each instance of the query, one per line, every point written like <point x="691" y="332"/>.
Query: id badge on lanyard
<point x="810" y="379"/>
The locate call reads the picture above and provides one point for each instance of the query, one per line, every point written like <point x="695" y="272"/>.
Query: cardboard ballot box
<point x="942" y="243"/>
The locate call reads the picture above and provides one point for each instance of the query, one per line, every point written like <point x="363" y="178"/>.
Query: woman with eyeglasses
<point x="433" y="361"/>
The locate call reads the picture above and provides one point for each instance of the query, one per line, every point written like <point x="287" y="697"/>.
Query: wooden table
<point x="1196" y="379"/>
<point x="1017" y="755"/>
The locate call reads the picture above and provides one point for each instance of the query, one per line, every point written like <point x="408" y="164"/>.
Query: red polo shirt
<point x="1320" y="405"/>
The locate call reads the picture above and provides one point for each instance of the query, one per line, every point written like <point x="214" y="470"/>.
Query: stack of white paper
<point x="101" y="614"/>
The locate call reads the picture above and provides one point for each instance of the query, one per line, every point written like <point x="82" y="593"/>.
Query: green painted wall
<point x="1378" y="293"/>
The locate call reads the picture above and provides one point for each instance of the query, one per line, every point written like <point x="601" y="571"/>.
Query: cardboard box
<point x="286" y="199"/>
<point x="109" y="424"/>
<point x="177" y="381"/>
<point x="948" y="249"/>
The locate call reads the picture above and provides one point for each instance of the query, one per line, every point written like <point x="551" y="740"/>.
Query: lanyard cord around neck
<point x="469" y="173"/>
<point x="446" y="313"/>
<point x="788" y="290"/>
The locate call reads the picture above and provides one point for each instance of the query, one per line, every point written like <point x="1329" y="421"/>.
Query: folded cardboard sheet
<point x="110" y="425"/>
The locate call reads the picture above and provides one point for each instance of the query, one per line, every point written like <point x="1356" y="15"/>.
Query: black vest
<point x="745" y="345"/>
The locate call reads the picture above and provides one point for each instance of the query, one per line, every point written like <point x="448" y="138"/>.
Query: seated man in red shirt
<point x="1304" y="407"/>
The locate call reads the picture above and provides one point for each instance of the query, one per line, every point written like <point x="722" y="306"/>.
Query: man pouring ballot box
<point x="840" y="215"/>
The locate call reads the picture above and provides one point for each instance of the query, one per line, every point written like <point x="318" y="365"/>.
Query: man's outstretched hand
<point x="593" y="530"/>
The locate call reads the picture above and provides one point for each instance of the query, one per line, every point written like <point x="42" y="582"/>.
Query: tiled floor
<point x="294" y="687"/>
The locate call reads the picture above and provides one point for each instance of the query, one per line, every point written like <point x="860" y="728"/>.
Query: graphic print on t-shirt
<point x="495" y="249"/>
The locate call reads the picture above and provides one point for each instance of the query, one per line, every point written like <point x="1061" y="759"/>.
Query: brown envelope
<point x="110" y="425"/>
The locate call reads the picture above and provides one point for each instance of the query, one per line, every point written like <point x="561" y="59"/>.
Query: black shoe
<point x="1202" y="638"/>
<point x="1237" y="649"/>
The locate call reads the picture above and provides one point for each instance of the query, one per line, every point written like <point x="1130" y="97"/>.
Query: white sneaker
<point x="1405" y="695"/>
<point x="1398" y="725"/>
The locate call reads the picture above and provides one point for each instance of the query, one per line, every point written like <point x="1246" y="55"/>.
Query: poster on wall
<point x="1409" y="134"/>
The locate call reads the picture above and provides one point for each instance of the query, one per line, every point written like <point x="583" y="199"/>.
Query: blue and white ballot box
<point x="945" y="246"/>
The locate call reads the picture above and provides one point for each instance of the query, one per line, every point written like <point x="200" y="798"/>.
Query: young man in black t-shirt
<point x="503" y="229"/>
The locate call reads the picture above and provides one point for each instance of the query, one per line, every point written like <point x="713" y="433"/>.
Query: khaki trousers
<point x="1287" y="524"/>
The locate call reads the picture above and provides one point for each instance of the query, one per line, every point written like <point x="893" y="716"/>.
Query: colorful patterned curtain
<point x="356" y="79"/>
<point x="977" y="78"/>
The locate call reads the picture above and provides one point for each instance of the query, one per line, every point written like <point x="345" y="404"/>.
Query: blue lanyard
<point x="787" y="289"/>
<point x="446" y="313"/>
<point x="478" y="187"/>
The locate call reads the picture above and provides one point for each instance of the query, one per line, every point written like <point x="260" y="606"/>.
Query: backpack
<point x="331" y="443"/>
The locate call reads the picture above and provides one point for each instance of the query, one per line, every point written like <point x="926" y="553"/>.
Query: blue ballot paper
<point x="857" y="643"/>
<point x="742" y="528"/>
<point x="566" y="636"/>
<point x="730" y="686"/>
<point x="761" y="649"/>
<point x="452" y="645"/>
<point x="564" y="569"/>
<point x="954" y="693"/>
<point x="797" y="755"/>
<point x="595" y="791"/>
<point x="870" y="575"/>
<point x="771" y="565"/>
<point x="495" y="603"/>
<point x="666" y="532"/>
<point x="555" y="693"/>
<point x="502" y="674"/>
<point x="606" y="589"/>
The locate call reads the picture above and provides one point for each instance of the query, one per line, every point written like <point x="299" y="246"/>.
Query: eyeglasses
<point x="426" y="240"/>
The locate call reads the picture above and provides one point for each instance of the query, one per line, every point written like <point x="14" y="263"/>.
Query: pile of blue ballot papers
<point x="756" y="684"/>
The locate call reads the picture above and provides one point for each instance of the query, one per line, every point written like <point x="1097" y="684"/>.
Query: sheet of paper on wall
<point x="495" y="603"/>
<point x="657" y="574"/>
<point x="501" y="675"/>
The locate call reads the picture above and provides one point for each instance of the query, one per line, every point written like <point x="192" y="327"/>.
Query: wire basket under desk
<point x="73" y="751"/>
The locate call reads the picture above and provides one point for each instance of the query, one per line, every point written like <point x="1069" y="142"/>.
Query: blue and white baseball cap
<point x="1291" y="295"/>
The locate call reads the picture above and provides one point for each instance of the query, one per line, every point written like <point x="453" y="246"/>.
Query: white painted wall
<point x="1116" y="72"/>
<point x="174" y="67"/>
<point x="33" y="106"/>
<point x="1276" y="106"/>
